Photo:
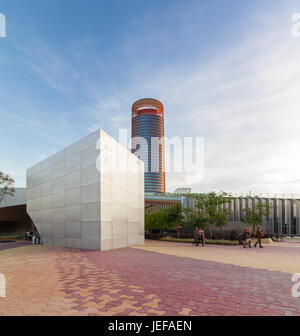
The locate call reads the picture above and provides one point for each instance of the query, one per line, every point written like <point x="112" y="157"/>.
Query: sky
<point x="226" y="71"/>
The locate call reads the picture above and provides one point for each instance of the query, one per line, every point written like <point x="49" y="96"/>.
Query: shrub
<point x="207" y="241"/>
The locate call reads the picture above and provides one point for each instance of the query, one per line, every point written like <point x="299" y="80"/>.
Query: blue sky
<point x="227" y="71"/>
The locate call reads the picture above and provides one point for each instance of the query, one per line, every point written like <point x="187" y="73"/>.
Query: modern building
<point x="183" y="191"/>
<point x="159" y="201"/>
<point x="89" y="195"/>
<point x="148" y="141"/>
<point x="284" y="218"/>
<point x="14" y="220"/>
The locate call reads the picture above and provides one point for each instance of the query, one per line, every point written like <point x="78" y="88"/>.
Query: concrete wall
<point x="122" y="196"/>
<point x="74" y="204"/>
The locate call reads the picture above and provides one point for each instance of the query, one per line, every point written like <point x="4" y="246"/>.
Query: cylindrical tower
<point x="148" y="141"/>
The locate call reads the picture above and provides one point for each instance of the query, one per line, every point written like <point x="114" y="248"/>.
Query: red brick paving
<point x="207" y="288"/>
<point x="58" y="281"/>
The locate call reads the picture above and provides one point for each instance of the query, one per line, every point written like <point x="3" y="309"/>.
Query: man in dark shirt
<point x="201" y="236"/>
<point x="259" y="234"/>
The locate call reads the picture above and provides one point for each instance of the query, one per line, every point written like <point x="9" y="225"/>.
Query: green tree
<point x="156" y="221"/>
<point x="164" y="219"/>
<point x="175" y="218"/>
<point x="254" y="215"/>
<point x="149" y="222"/>
<point x="186" y="221"/>
<point x="194" y="218"/>
<point x="211" y="209"/>
<point x="6" y="186"/>
<point x="222" y="219"/>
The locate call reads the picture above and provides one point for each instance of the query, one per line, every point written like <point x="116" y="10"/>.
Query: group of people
<point x="199" y="237"/>
<point x="28" y="235"/>
<point x="246" y="238"/>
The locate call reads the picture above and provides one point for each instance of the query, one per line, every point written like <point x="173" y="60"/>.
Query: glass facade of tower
<point x="148" y="141"/>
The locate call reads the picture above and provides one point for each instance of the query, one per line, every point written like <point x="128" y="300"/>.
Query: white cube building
<point x="90" y="195"/>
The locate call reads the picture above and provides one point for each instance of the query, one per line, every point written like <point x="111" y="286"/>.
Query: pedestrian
<point x="259" y="234"/>
<point x="196" y="236"/>
<point x="246" y="238"/>
<point x="201" y="237"/>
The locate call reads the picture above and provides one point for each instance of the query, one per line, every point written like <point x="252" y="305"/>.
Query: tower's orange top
<point x="147" y="104"/>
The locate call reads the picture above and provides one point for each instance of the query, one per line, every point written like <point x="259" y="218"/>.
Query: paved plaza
<point x="158" y="279"/>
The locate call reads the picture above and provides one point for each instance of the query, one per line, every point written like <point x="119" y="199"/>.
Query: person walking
<point x="259" y="234"/>
<point x="196" y="236"/>
<point x="246" y="238"/>
<point x="201" y="237"/>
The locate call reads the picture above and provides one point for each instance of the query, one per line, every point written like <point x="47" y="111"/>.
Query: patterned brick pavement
<point x="57" y="281"/>
<point x="5" y="246"/>
<point x="278" y="257"/>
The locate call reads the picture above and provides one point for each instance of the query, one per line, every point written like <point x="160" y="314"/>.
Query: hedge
<point x="207" y="241"/>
